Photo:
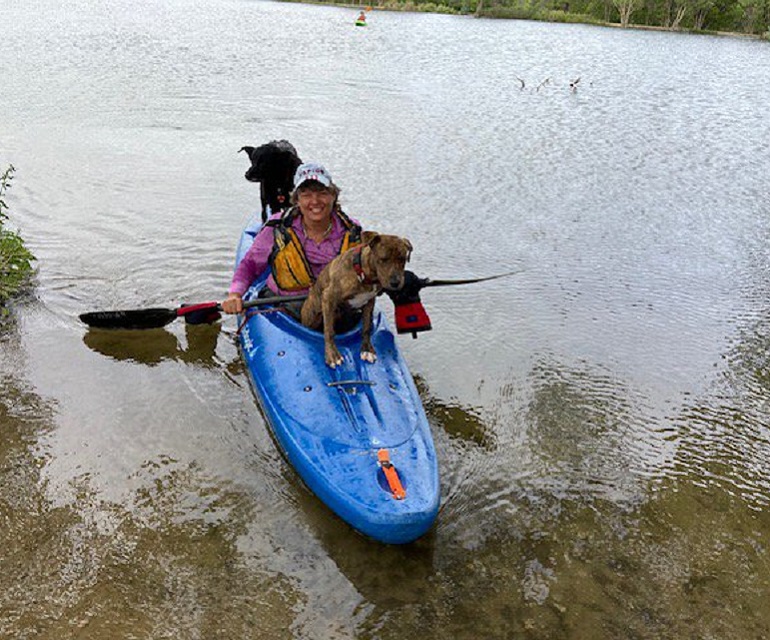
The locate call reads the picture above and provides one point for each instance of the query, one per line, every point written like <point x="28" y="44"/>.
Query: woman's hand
<point x="233" y="303"/>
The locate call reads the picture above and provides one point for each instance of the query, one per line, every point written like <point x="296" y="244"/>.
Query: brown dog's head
<point x="388" y="258"/>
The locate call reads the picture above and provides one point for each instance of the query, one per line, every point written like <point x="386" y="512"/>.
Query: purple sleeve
<point x="254" y="262"/>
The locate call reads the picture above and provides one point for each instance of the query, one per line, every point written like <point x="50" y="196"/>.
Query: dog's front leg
<point x="311" y="314"/>
<point x="368" y="352"/>
<point x="329" y="307"/>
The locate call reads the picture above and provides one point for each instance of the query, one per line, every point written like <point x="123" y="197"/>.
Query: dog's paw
<point x="334" y="363"/>
<point x="369" y="356"/>
<point x="333" y="359"/>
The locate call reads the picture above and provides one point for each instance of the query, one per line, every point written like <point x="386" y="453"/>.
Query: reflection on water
<point x="724" y="436"/>
<point x="551" y="535"/>
<point x="165" y="559"/>
<point x="588" y="436"/>
<point x="462" y="423"/>
<point x="153" y="346"/>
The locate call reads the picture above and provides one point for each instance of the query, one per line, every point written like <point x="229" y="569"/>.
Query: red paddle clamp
<point x="411" y="316"/>
<point x="203" y="313"/>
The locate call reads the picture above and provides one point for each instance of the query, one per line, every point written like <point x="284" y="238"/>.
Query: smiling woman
<point x="297" y="244"/>
<point x="15" y="258"/>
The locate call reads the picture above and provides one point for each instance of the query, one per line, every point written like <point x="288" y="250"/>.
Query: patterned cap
<point x="312" y="171"/>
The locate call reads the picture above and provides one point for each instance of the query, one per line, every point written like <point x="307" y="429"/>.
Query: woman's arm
<point x="253" y="264"/>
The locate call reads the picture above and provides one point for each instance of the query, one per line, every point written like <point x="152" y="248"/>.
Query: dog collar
<point x="359" y="269"/>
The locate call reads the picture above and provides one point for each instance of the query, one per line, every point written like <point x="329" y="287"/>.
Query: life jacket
<point x="288" y="262"/>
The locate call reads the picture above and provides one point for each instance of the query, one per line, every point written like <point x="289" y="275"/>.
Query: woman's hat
<point x="312" y="171"/>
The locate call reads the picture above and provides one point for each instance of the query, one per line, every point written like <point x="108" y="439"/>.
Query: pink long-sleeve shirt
<point x="318" y="254"/>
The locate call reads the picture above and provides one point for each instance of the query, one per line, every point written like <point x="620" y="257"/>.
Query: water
<point x="601" y="418"/>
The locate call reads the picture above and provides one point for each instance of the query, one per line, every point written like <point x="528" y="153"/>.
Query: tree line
<point x="748" y="17"/>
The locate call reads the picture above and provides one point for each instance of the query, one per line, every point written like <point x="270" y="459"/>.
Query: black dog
<point x="273" y="166"/>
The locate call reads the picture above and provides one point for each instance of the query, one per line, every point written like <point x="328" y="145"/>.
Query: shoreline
<point x="569" y="18"/>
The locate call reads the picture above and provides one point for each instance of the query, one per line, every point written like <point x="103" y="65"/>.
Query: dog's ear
<point x="370" y="237"/>
<point x="260" y="162"/>
<point x="408" y="246"/>
<point x="254" y="172"/>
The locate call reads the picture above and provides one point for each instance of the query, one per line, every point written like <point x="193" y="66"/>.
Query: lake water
<point x="601" y="418"/>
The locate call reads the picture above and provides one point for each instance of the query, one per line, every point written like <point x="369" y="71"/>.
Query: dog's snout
<point x="396" y="281"/>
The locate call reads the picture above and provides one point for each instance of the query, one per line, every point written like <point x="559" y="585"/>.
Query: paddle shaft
<point x="258" y="302"/>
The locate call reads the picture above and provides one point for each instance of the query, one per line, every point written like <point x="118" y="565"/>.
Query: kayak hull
<point x="333" y="425"/>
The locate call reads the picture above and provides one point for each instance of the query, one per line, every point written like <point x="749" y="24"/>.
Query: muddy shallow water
<point x="601" y="418"/>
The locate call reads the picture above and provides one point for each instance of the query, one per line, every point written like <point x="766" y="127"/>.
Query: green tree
<point x="15" y="258"/>
<point x="625" y="9"/>
<point x="754" y="15"/>
<point x="747" y="16"/>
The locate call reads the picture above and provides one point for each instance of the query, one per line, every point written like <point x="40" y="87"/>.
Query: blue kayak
<point x="357" y="435"/>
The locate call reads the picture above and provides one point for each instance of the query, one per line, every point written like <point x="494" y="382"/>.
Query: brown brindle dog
<point x="352" y="281"/>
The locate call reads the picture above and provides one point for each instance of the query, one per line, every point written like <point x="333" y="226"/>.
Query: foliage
<point x="425" y="7"/>
<point x="15" y="258"/>
<point x="738" y="16"/>
<point x="626" y="9"/>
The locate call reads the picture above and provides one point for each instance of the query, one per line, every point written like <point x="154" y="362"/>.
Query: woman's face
<point x="315" y="202"/>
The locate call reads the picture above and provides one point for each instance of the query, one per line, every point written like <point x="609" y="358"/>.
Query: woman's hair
<point x="335" y="190"/>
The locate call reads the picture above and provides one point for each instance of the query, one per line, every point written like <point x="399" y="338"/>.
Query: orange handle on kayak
<point x="391" y="475"/>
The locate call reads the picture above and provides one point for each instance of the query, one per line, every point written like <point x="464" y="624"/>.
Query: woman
<point x="299" y="243"/>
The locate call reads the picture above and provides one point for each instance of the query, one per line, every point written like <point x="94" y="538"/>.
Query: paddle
<point x="205" y="312"/>
<point x="411" y="316"/>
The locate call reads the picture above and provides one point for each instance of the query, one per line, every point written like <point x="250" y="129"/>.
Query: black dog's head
<point x="273" y="165"/>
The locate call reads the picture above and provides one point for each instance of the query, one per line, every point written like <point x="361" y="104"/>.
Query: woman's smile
<point x="316" y="205"/>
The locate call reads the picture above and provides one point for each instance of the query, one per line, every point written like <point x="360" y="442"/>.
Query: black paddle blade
<point x="129" y="319"/>
<point x="427" y="282"/>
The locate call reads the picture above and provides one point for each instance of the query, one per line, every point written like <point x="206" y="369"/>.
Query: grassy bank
<point x="15" y="259"/>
